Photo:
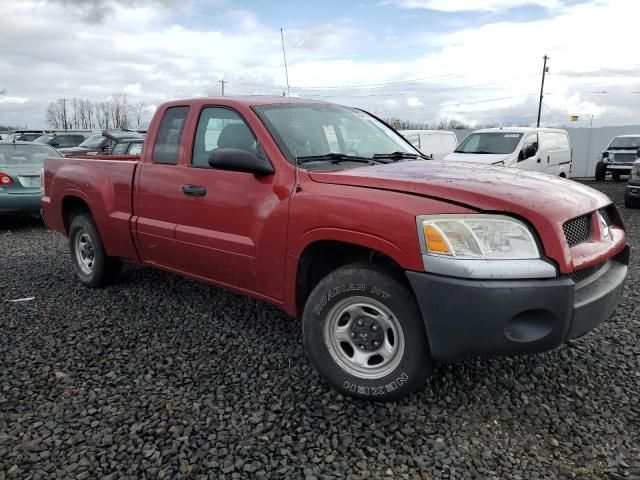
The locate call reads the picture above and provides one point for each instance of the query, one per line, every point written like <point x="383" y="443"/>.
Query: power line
<point x="437" y="107"/>
<point x="417" y="92"/>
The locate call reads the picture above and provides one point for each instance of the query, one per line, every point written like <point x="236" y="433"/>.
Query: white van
<point x="545" y="150"/>
<point x="435" y="143"/>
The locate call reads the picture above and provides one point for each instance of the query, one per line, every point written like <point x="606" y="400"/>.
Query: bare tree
<point x="137" y="113"/>
<point x="115" y="112"/>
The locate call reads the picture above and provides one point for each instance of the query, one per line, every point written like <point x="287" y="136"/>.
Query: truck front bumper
<point x="633" y="190"/>
<point x="465" y="318"/>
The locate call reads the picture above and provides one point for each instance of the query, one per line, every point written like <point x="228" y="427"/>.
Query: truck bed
<point x="103" y="182"/>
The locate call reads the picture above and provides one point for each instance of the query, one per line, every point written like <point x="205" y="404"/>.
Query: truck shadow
<point x="17" y="223"/>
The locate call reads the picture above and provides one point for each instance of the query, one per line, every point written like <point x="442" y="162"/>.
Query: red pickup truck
<point x="391" y="261"/>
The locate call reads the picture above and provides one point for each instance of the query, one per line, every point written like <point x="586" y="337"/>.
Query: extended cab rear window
<point x="167" y="143"/>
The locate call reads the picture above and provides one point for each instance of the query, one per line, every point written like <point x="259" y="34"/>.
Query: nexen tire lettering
<point x="373" y="391"/>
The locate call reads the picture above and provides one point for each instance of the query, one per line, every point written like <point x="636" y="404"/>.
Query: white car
<point x="435" y="143"/>
<point x="545" y="150"/>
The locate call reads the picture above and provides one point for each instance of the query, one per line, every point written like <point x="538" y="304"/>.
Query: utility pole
<point x="64" y="113"/>
<point x="222" y="86"/>
<point x="544" y="71"/>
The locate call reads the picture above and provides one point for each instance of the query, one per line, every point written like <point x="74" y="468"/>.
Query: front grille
<point x="624" y="157"/>
<point x="577" y="230"/>
<point x="584" y="273"/>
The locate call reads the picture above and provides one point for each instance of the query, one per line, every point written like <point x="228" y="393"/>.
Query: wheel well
<point x="72" y="206"/>
<point x="321" y="258"/>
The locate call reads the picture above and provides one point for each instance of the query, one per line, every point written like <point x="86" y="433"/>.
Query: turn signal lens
<point x="5" y="179"/>
<point x="435" y="241"/>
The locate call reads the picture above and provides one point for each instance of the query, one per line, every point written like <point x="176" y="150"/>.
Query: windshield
<point x="624" y="143"/>
<point x="316" y="130"/>
<point x="43" y="139"/>
<point x="490" y="143"/>
<point x="92" y="142"/>
<point x="21" y="154"/>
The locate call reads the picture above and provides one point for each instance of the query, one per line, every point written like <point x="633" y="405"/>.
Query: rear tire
<point x="601" y="172"/>
<point x="90" y="261"/>
<point x="364" y="333"/>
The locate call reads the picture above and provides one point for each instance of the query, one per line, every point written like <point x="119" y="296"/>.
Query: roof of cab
<point x="249" y="100"/>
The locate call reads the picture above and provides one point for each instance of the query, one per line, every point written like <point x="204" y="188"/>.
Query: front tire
<point x="363" y="331"/>
<point x="90" y="261"/>
<point x="601" y="172"/>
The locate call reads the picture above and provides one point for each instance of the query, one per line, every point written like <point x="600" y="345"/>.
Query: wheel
<point x="363" y="331"/>
<point x="616" y="176"/>
<point x="93" y="267"/>
<point x="601" y="171"/>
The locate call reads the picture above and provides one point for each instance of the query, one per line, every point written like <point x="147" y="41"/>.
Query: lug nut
<point x="376" y="343"/>
<point x="374" y="328"/>
<point x="360" y="323"/>
<point x="361" y="347"/>
<point x="353" y="335"/>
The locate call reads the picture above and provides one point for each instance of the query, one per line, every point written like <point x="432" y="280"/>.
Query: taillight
<point x="5" y="180"/>
<point x="42" y="181"/>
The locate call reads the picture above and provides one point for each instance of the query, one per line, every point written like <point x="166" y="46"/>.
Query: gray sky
<point x="422" y="60"/>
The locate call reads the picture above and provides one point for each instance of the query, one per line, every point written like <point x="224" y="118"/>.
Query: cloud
<point x="473" y="5"/>
<point x="16" y="100"/>
<point x="156" y="50"/>
<point x="97" y="10"/>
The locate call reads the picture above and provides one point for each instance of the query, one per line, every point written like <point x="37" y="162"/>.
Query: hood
<point x="484" y="158"/>
<point x="545" y="201"/>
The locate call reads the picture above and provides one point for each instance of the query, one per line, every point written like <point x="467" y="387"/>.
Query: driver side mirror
<point x="238" y="160"/>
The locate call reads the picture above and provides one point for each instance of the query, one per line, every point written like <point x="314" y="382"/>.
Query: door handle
<point x="548" y="157"/>
<point x="194" y="190"/>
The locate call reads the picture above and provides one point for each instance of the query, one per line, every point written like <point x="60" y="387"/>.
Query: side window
<point x="119" y="148"/>
<point x="167" y="143"/>
<point x="220" y="128"/>
<point x="77" y="139"/>
<point x="529" y="147"/>
<point x="135" y="149"/>
<point x="563" y="141"/>
<point x="549" y="141"/>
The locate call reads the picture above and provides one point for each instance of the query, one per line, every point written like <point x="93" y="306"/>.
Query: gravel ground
<point x="159" y="377"/>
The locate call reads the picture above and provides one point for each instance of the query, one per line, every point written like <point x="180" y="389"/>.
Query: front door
<point x="232" y="225"/>
<point x="529" y="156"/>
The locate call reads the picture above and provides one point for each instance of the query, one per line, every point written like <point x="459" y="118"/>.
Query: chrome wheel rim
<point x="364" y="338"/>
<point x="85" y="254"/>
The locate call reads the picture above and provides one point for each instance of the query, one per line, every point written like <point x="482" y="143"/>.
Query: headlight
<point x="485" y="247"/>
<point x="488" y="237"/>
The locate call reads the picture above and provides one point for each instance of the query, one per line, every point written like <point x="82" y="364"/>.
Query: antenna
<point x="293" y="130"/>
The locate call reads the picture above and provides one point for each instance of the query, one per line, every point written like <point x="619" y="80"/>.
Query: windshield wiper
<point x="334" y="158"/>
<point x="398" y="155"/>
